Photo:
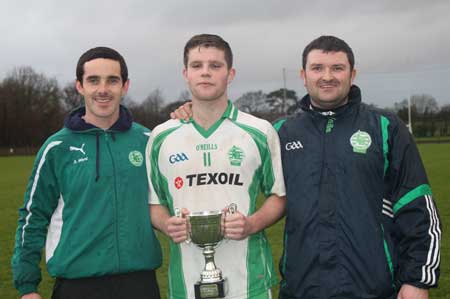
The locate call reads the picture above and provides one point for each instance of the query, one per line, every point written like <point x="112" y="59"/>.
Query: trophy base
<point x="211" y="289"/>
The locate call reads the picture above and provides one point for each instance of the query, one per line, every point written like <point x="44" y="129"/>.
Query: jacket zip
<point x="116" y="210"/>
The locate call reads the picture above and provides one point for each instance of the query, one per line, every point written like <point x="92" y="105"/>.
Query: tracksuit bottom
<point x="133" y="285"/>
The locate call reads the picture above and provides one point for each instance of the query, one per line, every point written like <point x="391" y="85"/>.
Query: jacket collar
<point x="354" y="98"/>
<point x="75" y="122"/>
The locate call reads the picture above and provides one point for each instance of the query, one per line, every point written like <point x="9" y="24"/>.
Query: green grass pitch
<point x="15" y="172"/>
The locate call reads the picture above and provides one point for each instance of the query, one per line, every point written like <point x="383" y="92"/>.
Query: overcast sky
<point x="401" y="47"/>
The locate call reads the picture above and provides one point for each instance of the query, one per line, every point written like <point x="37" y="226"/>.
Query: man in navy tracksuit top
<point x="361" y="221"/>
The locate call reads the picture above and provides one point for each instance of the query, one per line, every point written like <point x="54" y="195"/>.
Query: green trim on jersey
<point x="264" y="152"/>
<point x="253" y="190"/>
<point x="233" y="113"/>
<point x="385" y="135"/>
<point x="260" y="250"/>
<point x="412" y="195"/>
<point x="176" y="275"/>
<point x="264" y="295"/>
<point x="256" y="246"/>
<point x="230" y="112"/>
<point x="211" y="130"/>
<point x="156" y="176"/>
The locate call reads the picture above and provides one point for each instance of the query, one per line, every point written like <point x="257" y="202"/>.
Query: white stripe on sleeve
<point x="35" y="182"/>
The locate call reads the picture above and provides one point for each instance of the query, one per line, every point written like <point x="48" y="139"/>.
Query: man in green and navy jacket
<point x="87" y="197"/>
<point x="361" y="221"/>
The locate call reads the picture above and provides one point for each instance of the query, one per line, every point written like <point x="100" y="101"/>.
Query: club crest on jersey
<point x="236" y="155"/>
<point x="360" y="142"/>
<point x="136" y="158"/>
<point x="178" y="182"/>
<point x="178" y="158"/>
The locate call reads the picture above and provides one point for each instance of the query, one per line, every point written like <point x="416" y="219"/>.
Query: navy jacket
<point x="360" y="219"/>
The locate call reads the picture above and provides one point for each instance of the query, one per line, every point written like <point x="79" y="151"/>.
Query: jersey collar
<point x="230" y="112"/>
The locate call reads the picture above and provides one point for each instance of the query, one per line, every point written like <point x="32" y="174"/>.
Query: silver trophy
<point x="206" y="232"/>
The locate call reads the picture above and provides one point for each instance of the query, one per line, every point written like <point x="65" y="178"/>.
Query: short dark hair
<point x="328" y="43"/>
<point x="208" y="40"/>
<point x="101" y="52"/>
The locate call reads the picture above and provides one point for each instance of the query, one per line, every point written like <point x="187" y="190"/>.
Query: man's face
<point x="327" y="78"/>
<point x="207" y="74"/>
<point x="102" y="90"/>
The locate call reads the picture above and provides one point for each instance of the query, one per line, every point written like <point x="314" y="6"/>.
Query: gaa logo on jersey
<point x="178" y="182"/>
<point x="178" y="158"/>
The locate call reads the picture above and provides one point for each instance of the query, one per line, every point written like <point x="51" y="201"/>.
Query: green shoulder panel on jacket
<point x="277" y="125"/>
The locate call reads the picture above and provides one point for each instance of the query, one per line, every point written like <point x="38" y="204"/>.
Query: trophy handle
<point x="178" y="214"/>
<point x="232" y="208"/>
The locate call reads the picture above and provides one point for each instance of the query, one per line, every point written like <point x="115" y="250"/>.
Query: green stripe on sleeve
<point x="159" y="182"/>
<point x="266" y="158"/>
<point x="388" y="256"/>
<point x="385" y="135"/>
<point x="412" y="195"/>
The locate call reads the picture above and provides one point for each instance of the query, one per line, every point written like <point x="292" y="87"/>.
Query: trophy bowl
<point x="206" y="228"/>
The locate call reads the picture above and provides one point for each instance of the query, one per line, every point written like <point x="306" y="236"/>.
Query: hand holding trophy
<point x="206" y="232"/>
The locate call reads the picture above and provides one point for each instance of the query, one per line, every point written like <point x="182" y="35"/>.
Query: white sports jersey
<point x="204" y="170"/>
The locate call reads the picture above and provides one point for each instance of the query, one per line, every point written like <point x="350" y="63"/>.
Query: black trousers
<point x="133" y="285"/>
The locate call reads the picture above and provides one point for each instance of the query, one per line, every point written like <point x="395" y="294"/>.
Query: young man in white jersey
<point x="219" y="157"/>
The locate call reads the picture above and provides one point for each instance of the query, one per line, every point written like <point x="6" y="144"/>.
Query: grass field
<point x="16" y="170"/>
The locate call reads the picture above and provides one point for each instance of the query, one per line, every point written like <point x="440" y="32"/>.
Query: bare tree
<point x="424" y="103"/>
<point x="70" y="97"/>
<point x="31" y="108"/>
<point x="427" y="118"/>
<point x="282" y="101"/>
<point x="148" y="113"/>
<point x="128" y="102"/>
<point x="153" y="102"/>
<point x="252" y="102"/>
<point x="444" y="117"/>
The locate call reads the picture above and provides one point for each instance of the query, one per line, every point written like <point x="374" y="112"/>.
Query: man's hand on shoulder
<point x="31" y="296"/>
<point x="182" y="112"/>
<point x="411" y="292"/>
